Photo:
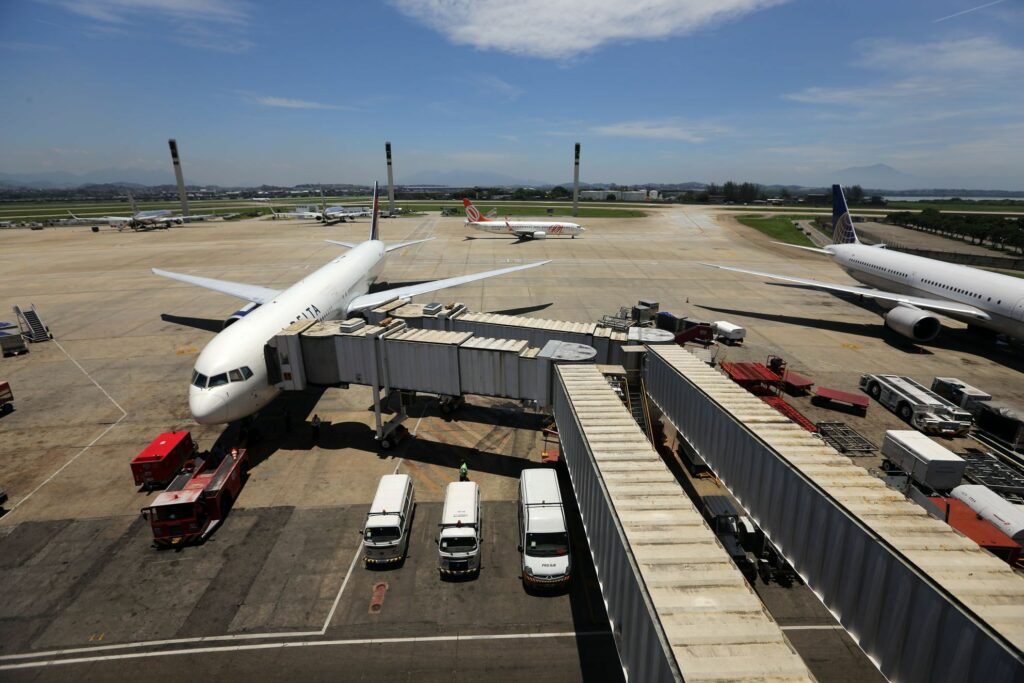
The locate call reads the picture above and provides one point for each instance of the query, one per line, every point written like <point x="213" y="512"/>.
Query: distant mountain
<point x="107" y="176"/>
<point x="468" y="178"/>
<point x="877" y="175"/>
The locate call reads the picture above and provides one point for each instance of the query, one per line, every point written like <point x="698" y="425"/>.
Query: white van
<point x="386" y="532"/>
<point x="543" y="534"/>
<point x="458" y="544"/>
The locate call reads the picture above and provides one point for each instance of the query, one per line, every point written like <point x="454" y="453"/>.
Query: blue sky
<point x="659" y="91"/>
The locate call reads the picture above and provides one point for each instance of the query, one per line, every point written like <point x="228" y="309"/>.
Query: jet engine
<point x="239" y="314"/>
<point x="539" y="235"/>
<point x="179" y="221"/>
<point x="913" y="323"/>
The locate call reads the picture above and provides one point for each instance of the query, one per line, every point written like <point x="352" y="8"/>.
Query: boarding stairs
<point x="32" y="326"/>
<point x="637" y="405"/>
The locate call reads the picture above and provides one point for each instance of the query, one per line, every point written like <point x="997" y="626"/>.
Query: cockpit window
<point x="235" y="375"/>
<point x="219" y="380"/>
<point x="198" y="380"/>
<point x="246" y="372"/>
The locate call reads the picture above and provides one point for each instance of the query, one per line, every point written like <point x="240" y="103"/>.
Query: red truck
<point x="198" y="499"/>
<point x="160" y="461"/>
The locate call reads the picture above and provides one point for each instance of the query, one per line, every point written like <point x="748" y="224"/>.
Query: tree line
<point x="1001" y="232"/>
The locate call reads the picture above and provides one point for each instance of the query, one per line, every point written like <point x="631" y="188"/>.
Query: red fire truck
<point x="160" y="460"/>
<point x="198" y="499"/>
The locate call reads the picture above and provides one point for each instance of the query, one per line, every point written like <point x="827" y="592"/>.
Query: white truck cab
<point x="386" y="532"/>
<point x="543" y="534"/>
<point x="458" y="543"/>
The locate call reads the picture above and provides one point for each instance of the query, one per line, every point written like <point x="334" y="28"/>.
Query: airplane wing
<point x="197" y="217"/>
<point x="349" y="245"/>
<point x="377" y="298"/>
<point x="937" y="305"/>
<point x="253" y="293"/>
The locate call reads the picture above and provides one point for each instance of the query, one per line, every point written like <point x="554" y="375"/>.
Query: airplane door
<point x="1018" y="311"/>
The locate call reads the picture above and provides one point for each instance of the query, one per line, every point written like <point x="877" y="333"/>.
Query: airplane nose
<point x="207" y="408"/>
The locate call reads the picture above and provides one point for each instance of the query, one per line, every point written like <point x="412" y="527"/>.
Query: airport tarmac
<point x="76" y="556"/>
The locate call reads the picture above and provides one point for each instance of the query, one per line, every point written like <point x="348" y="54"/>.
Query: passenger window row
<point x="958" y="290"/>
<point x="237" y="375"/>
<point x="874" y="267"/>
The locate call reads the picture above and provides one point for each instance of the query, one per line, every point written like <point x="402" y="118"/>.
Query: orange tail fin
<point x="473" y="213"/>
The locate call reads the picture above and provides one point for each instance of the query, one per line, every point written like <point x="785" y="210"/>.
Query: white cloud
<point x="660" y="130"/>
<point x="289" y="103"/>
<point x="219" y="25"/>
<point x="560" y="29"/>
<point x="489" y="84"/>
<point x="981" y="56"/>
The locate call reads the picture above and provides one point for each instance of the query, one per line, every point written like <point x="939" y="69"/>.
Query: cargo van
<point x="543" y="534"/>
<point x="386" y="532"/>
<point x="458" y="543"/>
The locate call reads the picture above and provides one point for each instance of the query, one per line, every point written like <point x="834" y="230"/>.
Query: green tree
<point x="558" y="192"/>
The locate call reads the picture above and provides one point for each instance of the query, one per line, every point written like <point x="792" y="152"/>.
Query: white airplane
<point x="343" y="213"/>
<point x="301" y="215"/>
<point x="229" y="380"/>
<point x="914" y="288"/>
<point x="524" y="230"/>
<point x="143" y="220"/>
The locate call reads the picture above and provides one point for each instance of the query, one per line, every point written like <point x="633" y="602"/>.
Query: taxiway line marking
<point x="302" y="643"/>
<point x="124" y="414"/>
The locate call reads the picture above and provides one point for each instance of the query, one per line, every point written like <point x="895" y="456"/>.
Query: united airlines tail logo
<point x="842" y="231"/>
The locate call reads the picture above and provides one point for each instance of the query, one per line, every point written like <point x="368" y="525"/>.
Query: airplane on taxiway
<point x="524" y="230"/>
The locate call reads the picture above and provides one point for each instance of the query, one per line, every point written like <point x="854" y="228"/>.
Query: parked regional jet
<point x="143" y="220"/>
<point x="230" y="379"/>
<point x="913" y="288"/>
<point x="524" y="230"/>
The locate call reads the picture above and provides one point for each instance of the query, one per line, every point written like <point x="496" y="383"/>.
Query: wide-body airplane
<point x="524" y="230"/>
<point x="144" y="220"/>
<point x="229" y="380"/>
<point x="913" y="288"/>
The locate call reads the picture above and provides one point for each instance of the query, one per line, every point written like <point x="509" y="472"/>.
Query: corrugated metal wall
<point x="644" y="655"/>
<point x="907" y="624"/>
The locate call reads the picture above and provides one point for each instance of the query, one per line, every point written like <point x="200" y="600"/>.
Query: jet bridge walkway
<point x="924" y="602"/>
<point x="679" y="608"/>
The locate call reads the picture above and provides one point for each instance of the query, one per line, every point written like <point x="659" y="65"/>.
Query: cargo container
<point x="1002" y="421"/>
<point x="959" y="392"/>
<point x="990" y="506"/>
<point x="927" y="462"/>
<point x="12" y="344"/>
<point x="162" y="458"/>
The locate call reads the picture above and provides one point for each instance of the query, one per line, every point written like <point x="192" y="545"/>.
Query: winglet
<point x="374" y="228"/>
<point x="842" y="222"/>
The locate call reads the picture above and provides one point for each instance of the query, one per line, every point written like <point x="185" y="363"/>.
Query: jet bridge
<point x="392" y="357"/>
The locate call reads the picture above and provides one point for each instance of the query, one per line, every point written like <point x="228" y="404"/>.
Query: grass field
<point x="779" y="228"/>
<point x="957" y="207"/>
<point x="39" y="211"/>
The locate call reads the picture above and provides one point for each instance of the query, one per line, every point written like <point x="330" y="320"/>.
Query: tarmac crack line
<point x="124" y="414"/>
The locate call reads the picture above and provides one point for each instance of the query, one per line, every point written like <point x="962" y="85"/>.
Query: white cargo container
<point x="728" y="332"/>
<point x="993" y="508"/>
<point x="926" y="462"/>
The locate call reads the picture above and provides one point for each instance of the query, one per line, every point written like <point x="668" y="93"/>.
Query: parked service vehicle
<point x="12" y="344"/>
<point x="160" y="461"/>
<point x="927" y="462"/>
<point x="728" y="332"/>
<point x="386" y="531"/>
<point x="543" y="534"/>
<point x="923" y="409"/>
<point x="458" y="543"/>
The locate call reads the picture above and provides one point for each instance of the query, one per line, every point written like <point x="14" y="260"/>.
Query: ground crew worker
<point x="463" y="471"/>
<point x="316" y="428"/>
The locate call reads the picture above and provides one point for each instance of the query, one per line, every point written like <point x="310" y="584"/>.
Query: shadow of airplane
<point x="206" y="324"/>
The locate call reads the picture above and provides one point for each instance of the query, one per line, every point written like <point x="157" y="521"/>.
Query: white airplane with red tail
<point x="524" y="230"/>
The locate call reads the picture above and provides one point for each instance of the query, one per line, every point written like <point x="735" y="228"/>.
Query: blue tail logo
<point x="842" y="222"/>
<point x="374" y="231"/>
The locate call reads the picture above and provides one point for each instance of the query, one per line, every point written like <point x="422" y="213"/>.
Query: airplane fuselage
<point x="1000" y="296"/>
<point x="527" y="228"/>
<point x="229" y="380"/>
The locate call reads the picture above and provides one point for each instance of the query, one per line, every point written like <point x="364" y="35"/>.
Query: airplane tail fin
<point x="74" y="216"/>
<point x="842" y="222"/>
<point x="473" y="213"/>
<point x="374" y="228"/>
<point x="131" y="200"/>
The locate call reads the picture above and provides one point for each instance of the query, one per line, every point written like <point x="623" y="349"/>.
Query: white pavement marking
<point x="304" y="643"/>
<point x="124" y="414"/>
<point x="337" y="598"/>
<point x="820" y="627"/>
